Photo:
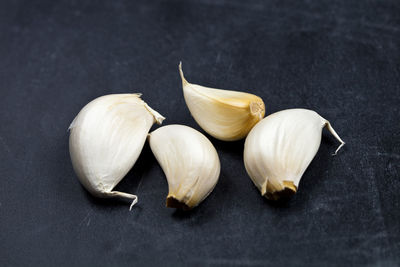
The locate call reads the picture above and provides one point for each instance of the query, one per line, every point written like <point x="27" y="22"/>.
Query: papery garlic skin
<point x="189" y="161"/>
<point x="106" y="138"/>
<point x="225" y="115"/>
<point x="279" y="149"/>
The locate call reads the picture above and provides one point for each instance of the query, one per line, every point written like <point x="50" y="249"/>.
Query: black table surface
<point x="339" y="58"/>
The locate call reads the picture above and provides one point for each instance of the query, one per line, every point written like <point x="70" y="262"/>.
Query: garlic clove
<point x="279" y="149"/>
<point x="226" y="115"/>
<point x="189" y="161"/>
<point x="106" y="138"/>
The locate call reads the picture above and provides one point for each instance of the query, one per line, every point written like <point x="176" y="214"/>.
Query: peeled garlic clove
<point x="226" y="115"/>
<point x="189" y="161"/>
<point x="279" y="149"/>
<point x="106" y="138"/>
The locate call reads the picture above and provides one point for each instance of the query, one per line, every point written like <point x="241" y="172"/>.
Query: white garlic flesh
<point x="279" y="149"/>
<point x="189" y="161"/>
<point x="224" y="114"/>
<point x="106" y="138"/>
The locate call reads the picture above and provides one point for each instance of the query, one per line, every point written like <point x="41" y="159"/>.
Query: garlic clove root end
<point x="173" y="202"/>
<point x="288" y="189"/>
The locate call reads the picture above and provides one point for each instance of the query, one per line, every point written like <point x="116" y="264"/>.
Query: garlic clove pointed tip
<point x="158" y="118"/>
<point x="172" y="202"/>
<point x="133" y="203"/>
<point x="184" y="81"/>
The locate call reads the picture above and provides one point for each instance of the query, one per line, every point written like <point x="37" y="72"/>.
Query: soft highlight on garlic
<point x="279" y="149"/>
<point x="106" y="138"/>
<point x="225" y="115"/>
<point x="189" y="161"/>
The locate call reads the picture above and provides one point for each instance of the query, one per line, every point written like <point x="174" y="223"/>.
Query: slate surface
<point x="340" y="58"/>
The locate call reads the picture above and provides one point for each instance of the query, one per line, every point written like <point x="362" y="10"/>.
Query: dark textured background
<point x="340" y="58"/>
